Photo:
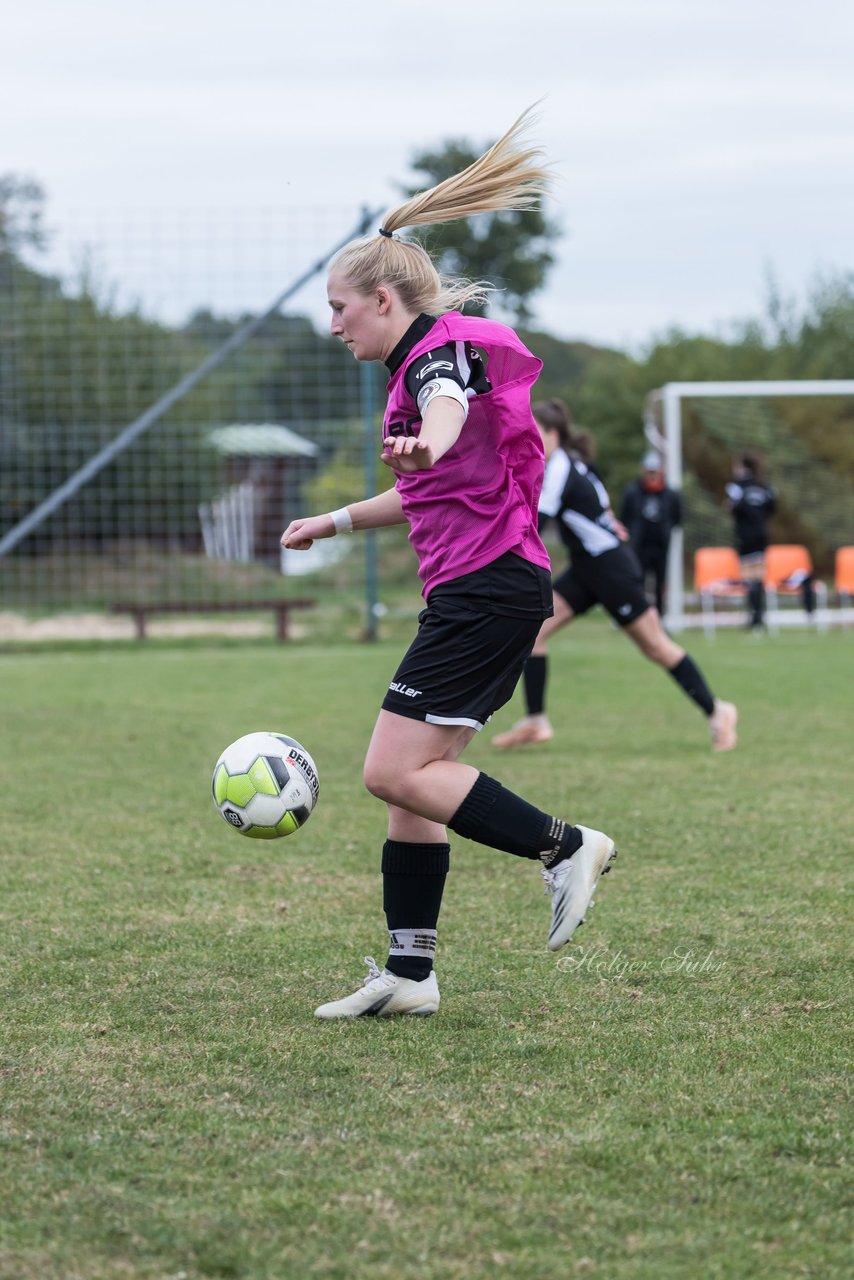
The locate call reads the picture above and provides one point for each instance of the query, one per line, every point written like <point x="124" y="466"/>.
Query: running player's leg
<point x="415" y="863"/>
<point x="430" y="712"/>
<point x="659" y="574"/>
<point x="617" y="582"/>
<point x="570" y="601"/>
<point x="406" y="768"/>
<point x="753" y="576"/>
<point x="414" y="866"/>
<point x="649" y="635"/>
<point x="535" y="726"/>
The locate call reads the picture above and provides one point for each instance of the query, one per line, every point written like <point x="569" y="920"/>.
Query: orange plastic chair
<point x="844" y="574"/>
<point x="717" y="576"/>
<point x="784" y="561"/>
<point x="787" y="565"/>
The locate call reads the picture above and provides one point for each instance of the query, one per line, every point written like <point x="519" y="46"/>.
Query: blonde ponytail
<point x="507" y="176"/>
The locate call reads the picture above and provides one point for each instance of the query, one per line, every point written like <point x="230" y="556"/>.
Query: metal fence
<point x="167" y="406"/>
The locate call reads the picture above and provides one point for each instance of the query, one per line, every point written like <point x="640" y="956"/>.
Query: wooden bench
<point x="141" y="611"/>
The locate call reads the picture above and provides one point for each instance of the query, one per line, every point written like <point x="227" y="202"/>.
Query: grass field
<point x="669" y="1097"/>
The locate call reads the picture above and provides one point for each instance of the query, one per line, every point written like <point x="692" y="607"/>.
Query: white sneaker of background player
<point x="384" y="994"/>
<point x="572" y="884"/>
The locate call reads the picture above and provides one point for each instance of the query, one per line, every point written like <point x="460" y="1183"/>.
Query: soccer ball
<point x="265" y="785"/>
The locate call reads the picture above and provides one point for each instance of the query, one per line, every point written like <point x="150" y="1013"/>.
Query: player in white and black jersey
<point x="603" y="570"/>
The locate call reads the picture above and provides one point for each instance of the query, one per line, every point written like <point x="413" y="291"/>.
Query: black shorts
<point x="614" y="580"/>
<point x="472" y="642"/>
<point x="752" y="547"/>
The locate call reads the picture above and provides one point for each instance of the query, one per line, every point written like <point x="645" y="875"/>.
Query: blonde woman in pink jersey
<point x="459" y="435"/>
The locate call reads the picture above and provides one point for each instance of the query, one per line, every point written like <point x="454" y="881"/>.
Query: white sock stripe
<point x="412" y="942"/>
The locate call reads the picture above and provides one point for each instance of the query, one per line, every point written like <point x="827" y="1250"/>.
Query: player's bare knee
<point x="382" y="782"/>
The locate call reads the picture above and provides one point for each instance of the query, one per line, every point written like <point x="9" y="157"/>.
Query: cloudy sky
<point x="699" y="146"/>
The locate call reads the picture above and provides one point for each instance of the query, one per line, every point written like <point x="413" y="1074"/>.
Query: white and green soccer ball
<point x="265" y="785"/>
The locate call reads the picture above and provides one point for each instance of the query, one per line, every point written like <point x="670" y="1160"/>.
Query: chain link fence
<point x="169" y="399"/>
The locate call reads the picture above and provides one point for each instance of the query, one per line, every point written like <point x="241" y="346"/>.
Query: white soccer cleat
<point x="572" y="884"/>
<point x="383" y="994"/>
<point x="722" y="725"/>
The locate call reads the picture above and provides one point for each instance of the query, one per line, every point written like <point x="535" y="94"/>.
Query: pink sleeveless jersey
<point x="480" y="499"/>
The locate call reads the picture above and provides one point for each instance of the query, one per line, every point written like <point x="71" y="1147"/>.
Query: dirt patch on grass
<point x="99" y="626"/>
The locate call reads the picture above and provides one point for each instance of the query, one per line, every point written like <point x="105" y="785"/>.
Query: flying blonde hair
<point x="507" y="176"/>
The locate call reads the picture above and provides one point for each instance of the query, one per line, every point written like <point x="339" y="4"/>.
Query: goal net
<point x="804" y="431"/>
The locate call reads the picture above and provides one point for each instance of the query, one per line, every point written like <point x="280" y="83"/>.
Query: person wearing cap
<point x="650" y="511"/>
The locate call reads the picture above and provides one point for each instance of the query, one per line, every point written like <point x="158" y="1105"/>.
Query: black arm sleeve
<point x="456" y="362"/>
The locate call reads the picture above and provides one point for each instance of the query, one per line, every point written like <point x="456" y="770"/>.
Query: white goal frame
<point x="668" y="440"/>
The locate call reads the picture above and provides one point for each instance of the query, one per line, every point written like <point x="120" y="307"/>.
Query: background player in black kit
<point x="603" y="570"/>
<point x="650" y="511"/>
<point x="751" y="501"/>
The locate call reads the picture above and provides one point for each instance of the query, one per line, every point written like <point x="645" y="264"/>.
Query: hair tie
<point x="387" y="234"/>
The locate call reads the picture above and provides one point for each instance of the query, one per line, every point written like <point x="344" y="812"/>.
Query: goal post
<point x="734" y="416"/>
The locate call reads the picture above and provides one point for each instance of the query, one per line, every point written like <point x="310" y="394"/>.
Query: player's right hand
<point x="300" y="534"/>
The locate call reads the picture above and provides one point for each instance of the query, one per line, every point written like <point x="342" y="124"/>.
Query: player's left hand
<point x="407" y="453"/>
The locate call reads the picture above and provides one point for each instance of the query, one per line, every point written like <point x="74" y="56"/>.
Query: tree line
<point x="74" y="369"/>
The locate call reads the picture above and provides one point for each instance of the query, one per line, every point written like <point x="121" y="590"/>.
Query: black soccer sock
<point x="494" y="816"/>
<point x="689" y="677"/>
<point x="756" y="600"/>
<point x="808" y="594"/>
<point x="413" y="882"/>
<point x="536" y="670"/>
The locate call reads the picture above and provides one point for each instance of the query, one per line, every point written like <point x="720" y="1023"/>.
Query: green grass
<point x="666" y="1098"/>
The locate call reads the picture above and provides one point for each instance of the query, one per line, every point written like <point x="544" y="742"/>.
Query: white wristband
<point x="342" y="520"/>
